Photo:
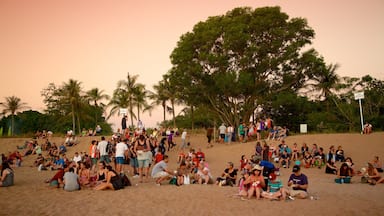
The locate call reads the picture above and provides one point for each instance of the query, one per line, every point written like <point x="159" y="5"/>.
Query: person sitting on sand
<point x="298" y="183"/>
<point x="350" y="164"/>
<point x="6" y="175"/>
<point x="344" y="174"/>
<point x="367" y="129"/>
<point x="57" y="180"/>
<point x="160" y="171"/>
<point x="340" y="154"/>
<point x="203" y="175"/>
<point x="330" y="167"/>
<point x="113" y="182"/>
<point x="71" y="180"/>
<point x="275" y="190"/>
<point x="243" y="188"/>
<point x="319" y="160"/>
<point x="39" y="160"/>
<point x="228" y="177"/>
<point x="101" y="174"/>
<point x="256" y="181"/>
<point x="307" y="160"/>
<point x="84" y="174"/>
<point x="373" y="175"/>
<point x="377" y="164"/>
<point x="182" y="174"/>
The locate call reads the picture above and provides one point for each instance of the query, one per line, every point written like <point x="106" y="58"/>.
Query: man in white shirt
<point x="222" y="131"/>
<point x="160" y="171"/>
<point x="230" y="131"/>
<point x="183" y="139"/>
<point x="77" y="157"/>
<point x="121" y="150"/>
<point x="102" y="146"/>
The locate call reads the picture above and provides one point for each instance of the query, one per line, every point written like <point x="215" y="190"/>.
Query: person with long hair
<point x="344" y="174"/>
<point x="256" y="181"/>
<point x="373" y="175"/>
<point x="6" y="175"/>
<point x="113" y="182"/>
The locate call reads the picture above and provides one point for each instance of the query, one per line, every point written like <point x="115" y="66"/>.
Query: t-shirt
<point x="184" y="135"/>
<point x="300" y="180"/>
<point x="161" y="166"/>
<point x="70" y="181"/>
<point x="275" y="186"/>
<point x="222" y="129"/>
<point x="120" y="149"/>
<point x="102" y="147"/>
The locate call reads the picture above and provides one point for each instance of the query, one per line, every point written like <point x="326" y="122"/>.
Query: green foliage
<point x="232" y="62"/>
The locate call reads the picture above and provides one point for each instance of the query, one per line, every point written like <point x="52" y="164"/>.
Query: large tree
<point x="12" y="105"/>
<point x="236" y="61"/>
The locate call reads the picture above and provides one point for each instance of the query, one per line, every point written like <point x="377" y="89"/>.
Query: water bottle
<point x="342" y="180"/>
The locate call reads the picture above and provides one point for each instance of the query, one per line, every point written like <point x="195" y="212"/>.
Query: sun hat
<point x="257" y="167"/>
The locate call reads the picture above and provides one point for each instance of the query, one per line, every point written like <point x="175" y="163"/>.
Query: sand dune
<point x="30" y="196"/>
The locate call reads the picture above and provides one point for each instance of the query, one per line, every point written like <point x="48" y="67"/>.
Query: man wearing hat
<point x="298" y="183"/>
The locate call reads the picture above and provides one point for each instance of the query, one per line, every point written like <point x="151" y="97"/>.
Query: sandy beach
<point x="31" y="196"/>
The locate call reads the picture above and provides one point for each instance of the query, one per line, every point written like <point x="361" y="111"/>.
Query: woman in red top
<point x="256" y="181"/>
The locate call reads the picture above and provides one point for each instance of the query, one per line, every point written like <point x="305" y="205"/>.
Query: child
<point x="275" y="190"/>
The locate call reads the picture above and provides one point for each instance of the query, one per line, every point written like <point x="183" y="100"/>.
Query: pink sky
<point x="98" y="42"/>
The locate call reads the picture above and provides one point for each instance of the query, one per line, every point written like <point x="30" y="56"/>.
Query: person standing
<point x="121" y="151"/>
<point x="94" y="154"/>
<point x="102" y="147"/>
<point x="241" y="132"/>
<point x="230" y="131"/>
<point x="209" y="136"/>
<point x="183" y="139"/>
<point x="222" y="130"/>
<point x="124" y="123"/>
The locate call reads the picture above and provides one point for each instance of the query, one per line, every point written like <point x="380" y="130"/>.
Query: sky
<point x="99" y="42"/>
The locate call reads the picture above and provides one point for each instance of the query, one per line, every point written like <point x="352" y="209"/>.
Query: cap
<point x="272" y="176"/>
<point x="296" y="168"/>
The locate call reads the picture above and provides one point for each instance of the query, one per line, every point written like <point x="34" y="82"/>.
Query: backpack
<point x="125" y="179"/>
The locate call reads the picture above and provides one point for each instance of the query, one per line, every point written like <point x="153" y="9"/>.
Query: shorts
<point x="160" y="174"/>
<point x="120" y="160"/>
<point x="134" y="162"/>
<point x="297" y="192"/>
<point x="105" y="158"/>
<point x="222" y="136"/>
<point x="143" y="163"/>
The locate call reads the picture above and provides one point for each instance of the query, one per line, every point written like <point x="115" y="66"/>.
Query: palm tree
<point x="140" y="99"/>
<point x="94" y="95"/>
<point x="326" y="81"/>
<point x="71" y="94"/>
<point x="160" y="96"/>
<point x="12" y="105"/>
<point x="130" y="88"/>
<point x="119" y="100"/>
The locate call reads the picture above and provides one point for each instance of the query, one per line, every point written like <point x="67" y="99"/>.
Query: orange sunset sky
<point x="98" y="42"/>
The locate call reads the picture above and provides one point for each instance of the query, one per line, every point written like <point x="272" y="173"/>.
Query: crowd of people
<point x="109" y="164"/>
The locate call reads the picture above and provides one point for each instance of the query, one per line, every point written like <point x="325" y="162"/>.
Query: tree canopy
<point x="236" y="61"/>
